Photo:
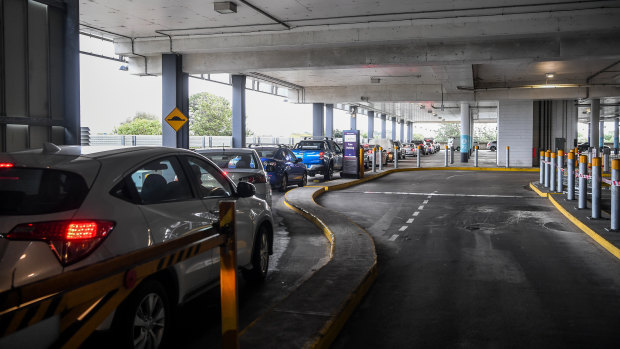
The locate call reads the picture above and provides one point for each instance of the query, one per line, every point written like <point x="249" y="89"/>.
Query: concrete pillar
<point x="601" y="134"/>
<point x="595" y="113"/>
<point x="402" y="131"/>
<point x="329" y="120"/>
<point x="383" y="126"/>
<point x="465" y="132"/>
<point x="353" y="123"/>
<point x="317" y="120"/>
<point x="71" y="66"/>
<point x="616" y="129"/>
<point x="238" y="111"/>
<point x="175" y="94"/>
<point x="371" y="124"/>
<point x="393" y="128"/>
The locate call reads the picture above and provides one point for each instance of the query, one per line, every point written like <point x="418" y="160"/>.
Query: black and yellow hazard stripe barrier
<point x="85" y="297"/>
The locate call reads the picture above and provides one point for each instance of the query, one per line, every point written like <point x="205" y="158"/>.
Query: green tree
<point x="337" y="133"/>
<point x="417" y="137"/>
<point x="141" y="124"/>
<point x="485" y="133"/>
<point x="209" y="115"/>
<point x="447" y="131"/>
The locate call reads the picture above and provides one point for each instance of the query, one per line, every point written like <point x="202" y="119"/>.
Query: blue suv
<point x="282" y="166"/>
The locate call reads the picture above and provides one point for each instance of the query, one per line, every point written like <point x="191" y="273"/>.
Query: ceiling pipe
<point x="266" y="14"/>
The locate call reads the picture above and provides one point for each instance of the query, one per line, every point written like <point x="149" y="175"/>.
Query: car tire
<point x="283" y="183"/>
<point x="144" y="318"/>
<point x="458" y="148"/>
<point x="260" y="258"/>
<point x="304" y="180"/>
<point x="329" y="175"/>
<point x="492" y="148"/>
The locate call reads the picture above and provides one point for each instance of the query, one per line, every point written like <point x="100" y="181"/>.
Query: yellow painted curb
<point x="599" y="239"/>
<point x="537" y="191"/>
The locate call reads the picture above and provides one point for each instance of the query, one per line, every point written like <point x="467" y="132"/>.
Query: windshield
<point x="310" y="145"/>
<point x="28" y="191"/>
<point x="266" y="153"/>
<point x="232" y="160"/>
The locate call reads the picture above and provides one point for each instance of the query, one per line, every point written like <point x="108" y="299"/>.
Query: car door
<point x="212" y="187"/>
<point x="171" y="210"/>
<point x="338" y="156"/>
<point x="297" y="167"/>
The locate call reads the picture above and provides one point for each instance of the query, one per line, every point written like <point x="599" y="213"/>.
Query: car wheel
<point x="142" y="321"/>
<point x="458" y="148"/>
<point x="492" y="148"/>
<point x="330" y="173"/>
<point x="260" y="258"/>
<point x="284" y="183"/>
<point x="304" y="180"/>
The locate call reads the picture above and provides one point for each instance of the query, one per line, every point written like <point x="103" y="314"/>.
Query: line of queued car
<point x="68" y="207"/>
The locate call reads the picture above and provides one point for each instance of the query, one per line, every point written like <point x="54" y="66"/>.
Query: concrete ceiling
<point x="421" y="51"/>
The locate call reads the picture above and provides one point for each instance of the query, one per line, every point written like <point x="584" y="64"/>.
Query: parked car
<point x="322" y="156"/>
<point x="379" y="157"/>
<point x="241" y="165"/>
<point x="492" y="145"/>
<point x="282" y="166"/>
<point x="122" y="201"/>
<point x="424" y="149"/>
<point x="401" y="149"/>
<point x="386" y="148"/>
<point x="410" y="149"/>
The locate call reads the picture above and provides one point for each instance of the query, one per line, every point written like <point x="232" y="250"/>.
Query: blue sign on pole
<point x="351" y="144"/>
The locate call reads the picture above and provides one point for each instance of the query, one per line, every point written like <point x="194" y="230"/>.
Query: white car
<point x="241" y="165"/>
<point x="121" y="201"/>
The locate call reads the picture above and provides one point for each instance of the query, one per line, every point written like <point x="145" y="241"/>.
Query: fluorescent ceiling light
<point x="225" y="7"/>
<point x="550" y="75"/>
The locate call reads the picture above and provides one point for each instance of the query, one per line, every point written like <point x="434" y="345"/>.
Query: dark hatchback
<point x="282" y="166"/>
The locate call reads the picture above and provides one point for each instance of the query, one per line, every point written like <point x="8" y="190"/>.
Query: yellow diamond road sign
<point x="176" y="119"/>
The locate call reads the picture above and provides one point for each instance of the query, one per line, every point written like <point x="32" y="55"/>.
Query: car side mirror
<point x="298" y="160"/>
<point x="245" y="189"/>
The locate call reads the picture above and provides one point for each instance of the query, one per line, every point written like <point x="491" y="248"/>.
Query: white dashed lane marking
<point x="393" y="237"/>
<point x="403" y="228"/>
<point x="410" y="220"/>
<point x="415" y="214"/>
<point x="425" y="202"/>
<point x="421" y="207"/>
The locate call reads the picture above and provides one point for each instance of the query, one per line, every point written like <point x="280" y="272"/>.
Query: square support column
<point x="238" y="111"/>
<point x="175" y="94"/>
<point x="515" y="129"/>
<point x="317" y="120"/>
<point x="383" y="125"/>
<point x="465" y="132"/>
<point x="616" y="136"/>
<point x="329" y="120"/>
<point x="595" y="114"/>
<point x="601" y="134"/>
<point x="394" y="128"/>
<point x="402" y="130"/>
<point x="72" y="72"/>
<point x="371" y="124"/>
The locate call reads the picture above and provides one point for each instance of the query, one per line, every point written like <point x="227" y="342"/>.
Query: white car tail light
<point x="71" y="241"/>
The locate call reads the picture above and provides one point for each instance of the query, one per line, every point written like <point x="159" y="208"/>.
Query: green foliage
<point x="447" y="131"/>
<point x="140" y="124"/>
<point x="209" y="115"/>
<point x="485" y="133"/>
<point x="337" y="133"/>
<point x="417" y="137"/>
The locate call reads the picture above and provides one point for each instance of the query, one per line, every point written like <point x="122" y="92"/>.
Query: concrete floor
<point x="476" y="259"/>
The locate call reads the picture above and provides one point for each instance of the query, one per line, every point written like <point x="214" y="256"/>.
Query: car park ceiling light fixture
<point x="550" y="75"/>
<point x="225" y="7"/>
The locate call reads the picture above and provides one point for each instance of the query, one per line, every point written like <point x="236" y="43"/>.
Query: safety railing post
<point x="606" y="160"/>
<point x="615" y="198"/>
<point x="418" y="159"/>
<point x="560" y="165"/>
<point x="552" y="173"/>
<point x="374" y="160"/>
<point x="507" y="157"/>
<point x="570" y="191"/>
<point x="542" y="168"/>
<point x="395" y="157"/>
<point x="583" y="182"/>
<point x="596" y="188"/>
<point x="476" y="156"/>
<point x="547" y="167"/>
<point x="451" y="155"/>
<point x="228" y="277"/>
<point x="380" y="159"/>
<point x="445" y="157"/>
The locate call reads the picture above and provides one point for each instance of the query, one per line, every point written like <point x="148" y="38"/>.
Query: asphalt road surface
<point x="477" y="260"/>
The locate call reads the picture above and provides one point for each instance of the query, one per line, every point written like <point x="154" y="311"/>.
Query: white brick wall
<point x="515" y="129"/>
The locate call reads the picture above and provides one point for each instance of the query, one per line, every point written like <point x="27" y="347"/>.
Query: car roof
<point x="225" y="150"/>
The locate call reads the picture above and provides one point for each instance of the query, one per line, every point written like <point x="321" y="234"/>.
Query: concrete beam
<point x="405" y="93"/>
<point x="460" y="26"/>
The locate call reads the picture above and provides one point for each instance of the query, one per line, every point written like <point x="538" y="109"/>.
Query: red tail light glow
<point x="257" y="178"/>
<point x="6" y="165"/>
<point x="71" y="241"/>
<point x="321" y="155"/>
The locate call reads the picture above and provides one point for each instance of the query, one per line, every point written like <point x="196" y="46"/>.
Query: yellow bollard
<point x="362" y="162"/>
<point x="228" y="277"/>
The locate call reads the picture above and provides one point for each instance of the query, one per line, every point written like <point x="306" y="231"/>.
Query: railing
<point x="195" y="142"/>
